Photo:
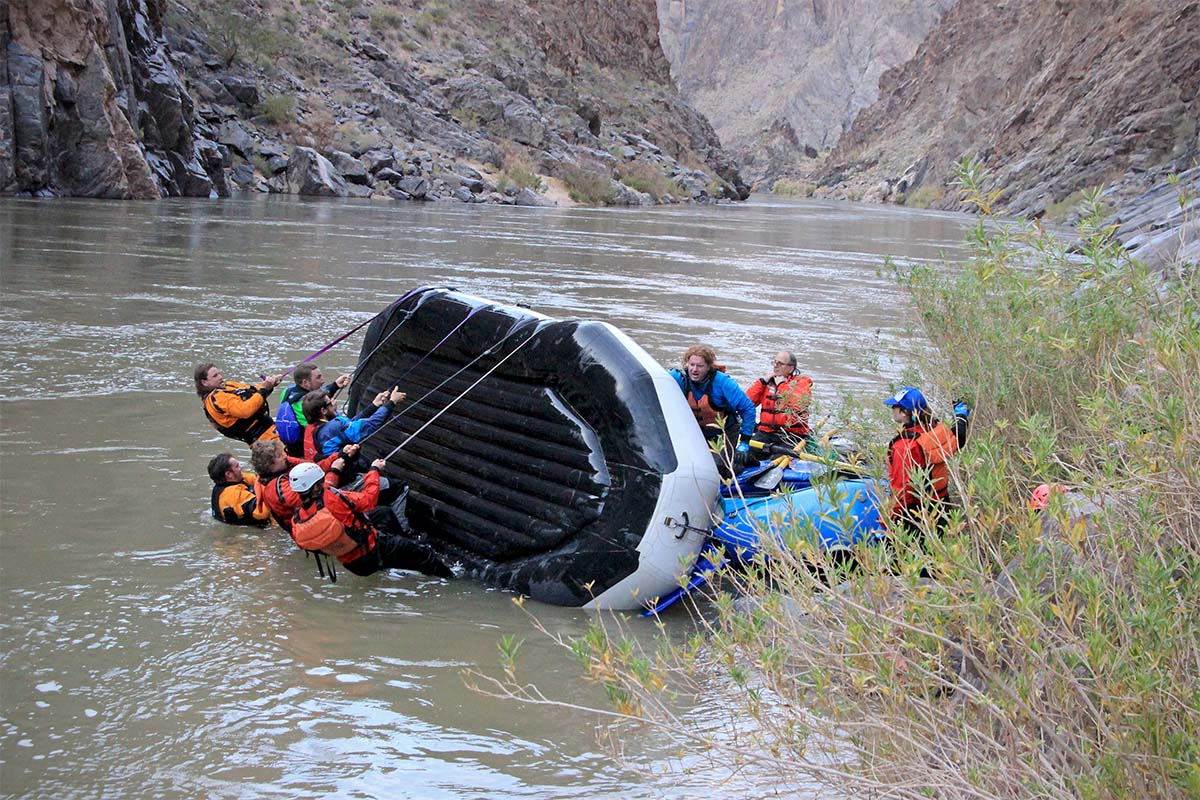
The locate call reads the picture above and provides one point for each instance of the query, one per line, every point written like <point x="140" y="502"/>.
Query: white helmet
<point x="304" y="476"/>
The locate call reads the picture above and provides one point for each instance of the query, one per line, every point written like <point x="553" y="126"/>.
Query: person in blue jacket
<point x="308" y="378"/>
<point x="712" y="394"/>
<point x="327" y="430"/>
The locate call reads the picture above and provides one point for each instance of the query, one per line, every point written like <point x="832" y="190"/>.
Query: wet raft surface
<point x="537" y="446"/>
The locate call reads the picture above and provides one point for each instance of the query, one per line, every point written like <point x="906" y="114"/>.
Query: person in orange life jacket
<point x="710" y="392"/>
<point x="236" y="410"/>
<point x="233" y="498"/>
<point x="308" y="378"/>
<point x="347" y="525"/>
<point x="327" y="430"/>
<point x="917" y="470"/>
<point x="274" y="491"/>
<point x="784" y="395"/>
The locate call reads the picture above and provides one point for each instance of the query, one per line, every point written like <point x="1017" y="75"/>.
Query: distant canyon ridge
<point x="876" y="101"/>
<point x="632" y="102"/>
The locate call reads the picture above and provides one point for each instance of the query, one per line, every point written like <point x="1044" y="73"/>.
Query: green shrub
<point x="279" y="108"/>
<point x="589" y="185"/>
<point x="1016" y="653"/>
<point x="643" y="177"/>
<point x="386" y="18"/>
<point x="791" y="187"/>
<point x="924" y="197"/>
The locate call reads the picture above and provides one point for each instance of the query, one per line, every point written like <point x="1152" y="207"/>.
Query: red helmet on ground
<point x="1042" y="494"/>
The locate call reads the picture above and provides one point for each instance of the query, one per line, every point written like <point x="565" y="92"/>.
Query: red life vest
<point x="315" y="527"/>
<point x="277" y="495"/>
<point x="936" y="444"/>
<point x="310" y="441"/>
<point x="779" y="401"/>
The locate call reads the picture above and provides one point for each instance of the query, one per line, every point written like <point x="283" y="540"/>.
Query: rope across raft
<point x="546" y="464"/>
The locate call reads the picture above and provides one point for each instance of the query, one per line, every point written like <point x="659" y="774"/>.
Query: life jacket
<point x="245" y="429"/>
<point x="310" y="441"/>
<point x="315" y="527"/>
<point x="702" y="409"/>
<point x="937" y="444"/>
<point x="280" y="499"/>
<point x="776" y="416"/>
<point x="233" y="513"/>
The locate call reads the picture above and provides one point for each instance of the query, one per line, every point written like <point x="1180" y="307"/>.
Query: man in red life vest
<point x="346" y="525"/>
<point x="274" y="491"/>
<point x="783" y="396"/>
<point x="917" y="469"/>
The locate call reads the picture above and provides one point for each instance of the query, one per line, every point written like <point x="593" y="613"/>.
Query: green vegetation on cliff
<point x="1020" y="653"/>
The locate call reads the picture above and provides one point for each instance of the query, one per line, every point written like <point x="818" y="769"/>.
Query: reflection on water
<point x="149" y="652"/>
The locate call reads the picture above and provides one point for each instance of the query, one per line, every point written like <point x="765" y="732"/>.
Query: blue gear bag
<point x="286" y="424"/>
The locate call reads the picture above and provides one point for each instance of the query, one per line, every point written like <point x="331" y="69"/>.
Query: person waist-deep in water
<point x="353" y="528"/>
<point x="236" y="410"/>
<point x="328" y="431"/>
<point x="274" y="491"/>
<point x="233" y="499"/>
<point x="307" y="378"/>
<point x="917" y="455"/>
<point x="711" y="394"/>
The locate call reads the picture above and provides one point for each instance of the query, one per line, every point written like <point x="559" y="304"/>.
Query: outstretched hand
<point x="337" y="465"/>
<point x="272" y="381"/>
<point x="380" y="398"/>
<point x="379" y="463"/>
<point x="350" y="451"/>
<point x="396" y="395"/>
<point x="342" y="381"/>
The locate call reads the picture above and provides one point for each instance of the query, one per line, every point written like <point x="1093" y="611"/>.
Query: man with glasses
<point x="328" y="431"/>
<point x="783" y="395"/>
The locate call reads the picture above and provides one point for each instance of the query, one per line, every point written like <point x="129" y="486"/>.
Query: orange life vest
<point x="702" y="409"/>
<point x="778" y="406"/>
<point x="248" y="429"/>
<point x="938" y="444"/>
<point x="315" y="527"/>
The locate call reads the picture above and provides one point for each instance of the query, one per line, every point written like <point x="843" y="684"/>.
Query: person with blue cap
<point x="916" y="459"/>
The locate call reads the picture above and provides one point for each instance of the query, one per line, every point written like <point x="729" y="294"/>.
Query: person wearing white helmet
<point x="347" y="525"/>
<point x="916" y="458"/>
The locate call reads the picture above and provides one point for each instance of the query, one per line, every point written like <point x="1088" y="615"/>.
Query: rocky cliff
<point x="782" y="81"/>
<point x="534" y="101"/>
<point x="1055" y="97"/>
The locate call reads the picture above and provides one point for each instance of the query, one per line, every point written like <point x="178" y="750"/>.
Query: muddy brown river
<point x="148" y="651"/>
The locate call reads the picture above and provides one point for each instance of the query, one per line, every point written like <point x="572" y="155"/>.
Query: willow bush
<point x="1018" y="654"/>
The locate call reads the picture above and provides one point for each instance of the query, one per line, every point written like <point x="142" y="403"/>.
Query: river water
<point x="148" y="651"/>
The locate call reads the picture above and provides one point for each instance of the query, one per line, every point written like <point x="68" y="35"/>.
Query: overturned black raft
<point x="544" y="455"/>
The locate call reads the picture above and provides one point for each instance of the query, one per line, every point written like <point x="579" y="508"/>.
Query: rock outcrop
<point x="406" y="99"/>
<point x="782" y="82"/>
<point x="92" y="105"/>
<point x="1055" y="97"/>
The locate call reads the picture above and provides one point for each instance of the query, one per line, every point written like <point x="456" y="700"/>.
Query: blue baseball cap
<point x="909" y="397"/>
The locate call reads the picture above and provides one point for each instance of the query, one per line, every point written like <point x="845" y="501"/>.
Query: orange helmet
<point x="1042" y="494"/>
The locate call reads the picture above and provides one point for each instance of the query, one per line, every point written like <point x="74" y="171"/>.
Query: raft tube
<point x="838" y="515"/>
<point x="553" y="458"/>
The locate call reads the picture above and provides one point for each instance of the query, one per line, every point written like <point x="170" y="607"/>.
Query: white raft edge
<point x="667" y="554"/>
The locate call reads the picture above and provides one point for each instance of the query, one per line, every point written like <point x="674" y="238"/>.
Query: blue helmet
<point x="909" y="397"/>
